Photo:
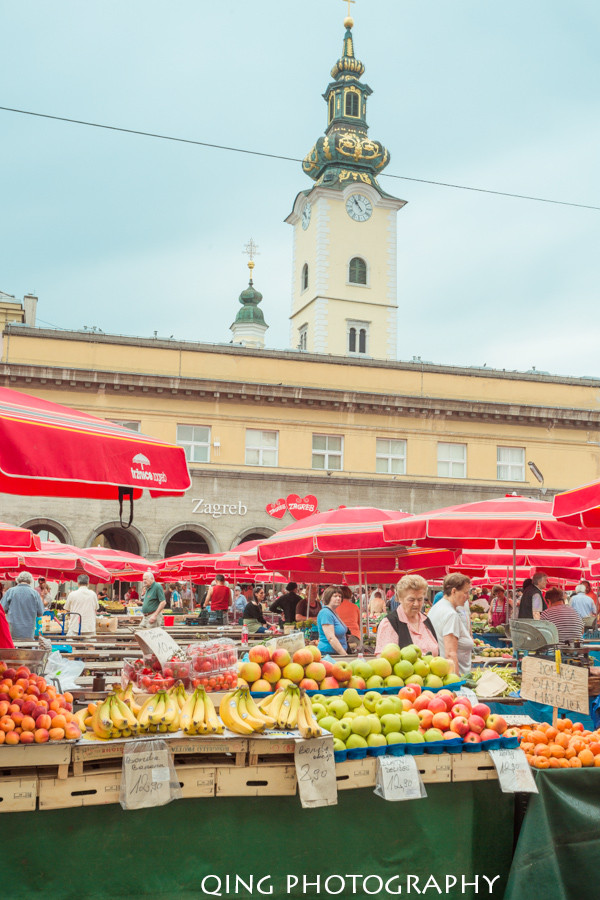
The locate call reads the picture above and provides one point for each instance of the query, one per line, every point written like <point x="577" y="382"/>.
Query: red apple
<point x="436" y="705"/>
<point x="259" y="654"/>
<point x="316" y="653"/>
<point x="316" y="671"/>
<point x="497" y="723"/>
<point x="342" y="671"/>
<point x="447" y="697"/>
<point x="426" y="717"/>
<point x="329" y="667"/>
<point x="459" y="710"/>
<point x="476" y="724"/>
<point x="488" y="734"/>
<point x="472" y="738"/>
<point x="450" y="735"/>
<point x="459" y="725"/>
<point x="281" y="657"/>
<point x="271" y="672"/>
<point x="309" y="684"/>
<point x="513" y="731"/>
<point x="329" y="684"/>
<point x="480" y="709"/>
<point x="357" y="682"/>
<point x="442" y="720"/>
<point x="302" y="657"/>
<point x="421" y="702"/>
<point x="408" y="693"/>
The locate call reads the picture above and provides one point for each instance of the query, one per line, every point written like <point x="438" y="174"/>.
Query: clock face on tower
<point x="306" y="215"/>
<point x="359" y="207"/>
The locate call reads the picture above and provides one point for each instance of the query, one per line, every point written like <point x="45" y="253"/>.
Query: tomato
<point x="146" y="682"/>
<point x="168" y="673"/>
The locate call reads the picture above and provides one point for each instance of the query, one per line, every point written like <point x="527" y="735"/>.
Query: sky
<point x="134" y="235"/>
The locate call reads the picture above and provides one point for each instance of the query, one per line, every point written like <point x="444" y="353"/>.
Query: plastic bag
<point x="149" y="777"/>
<point x="65" y="671"/>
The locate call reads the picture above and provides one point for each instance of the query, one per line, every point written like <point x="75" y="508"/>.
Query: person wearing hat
<point x="286" y="603"/>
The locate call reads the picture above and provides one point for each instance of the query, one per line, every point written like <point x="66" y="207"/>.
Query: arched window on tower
<point x="362" y="340"/>
<point x="305" y="276"/>
<point x="357" y="336"/>
<point x="357" y="271"/>
<point x="351" y="105"/>
<point x="331" y="106"/>
<point x="352" y="340"/>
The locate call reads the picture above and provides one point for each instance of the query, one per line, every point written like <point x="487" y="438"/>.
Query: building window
<point x="126" y="423"/>
<point x="261" y="447"/>
<point x="390" y="457"/>
<point x="327" y="451"/>
<point x="357" y="271"/>
<point x="195" y="440"/>
<point x="358" y="334"/>
<point x="452" y="460"/>
<point x="511" y="463"/>
<point x="305" y="276"/>
<point x="331" y="106"/>
<point x="303" y="338"/>
<point x="352" y="104"/>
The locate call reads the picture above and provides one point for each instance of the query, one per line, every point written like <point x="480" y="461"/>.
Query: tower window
<point x="331" y="106"/>
<point x="351" y="104"/>
<point x="357" y="337"/>
<point x="362" y="340"/>
<point x="303" y="337"/>
<point x="352" y="340"/>
<point x="305" y="276"/>
<point x="357" y="271"/>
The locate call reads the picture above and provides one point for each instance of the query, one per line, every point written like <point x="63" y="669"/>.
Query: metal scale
<point x="532" y="637"/>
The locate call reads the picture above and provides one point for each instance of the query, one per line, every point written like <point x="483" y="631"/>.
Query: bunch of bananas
<point x="291" y="708"/>
<point x="198" y="715"/>
<point x="240" y="714"/>
<point x="120" y="715"/>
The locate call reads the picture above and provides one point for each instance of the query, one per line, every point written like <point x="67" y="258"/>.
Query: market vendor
<point x="407" y="624"/>
<point x="308" y="609"/>
<point x="569" y="623"/>
<point x="349" y="612"/>
<point x="453" y="635"/>
<point x="153" y="602"/>
<point x="84" y="602"/>
<point x="22" y="606"/>
<point x="253" y="617"/>
<point x="499" y="606"/>
<point x="218" y="595"/>
<point x="332" y="631"/>
<point x="286" y="603"/>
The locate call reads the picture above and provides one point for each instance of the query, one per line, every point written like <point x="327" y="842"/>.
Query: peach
<point x="72" y="732"/>
<point x="59" y="722"/>
<point x="3" y="708"/>
<point x="44" y="721"/>
<point x="57" y="734"/>
<point x="28" y="724"/>
<point x="41" y="735"/>
<point x="12" y="737"/>
<point x="17" y="718"/>
<point x="16" y="691"/>
<point x="7" y="724"/>
<point x="26" y="737"/>
<point x="28" y="707"/>
<point x="3" y="738"/>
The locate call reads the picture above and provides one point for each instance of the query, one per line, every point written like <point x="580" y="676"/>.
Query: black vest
<point x="401" y="629"/>
<point x="526" y="606"/>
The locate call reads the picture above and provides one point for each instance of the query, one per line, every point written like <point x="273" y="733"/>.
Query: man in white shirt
<point x="84" y="602"/>
<point x="581" y="603"/>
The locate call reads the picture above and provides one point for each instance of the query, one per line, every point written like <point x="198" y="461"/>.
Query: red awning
<point x="14" y="538"/>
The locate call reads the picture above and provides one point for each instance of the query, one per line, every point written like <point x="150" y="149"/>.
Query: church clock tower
<point x="344" y="260"/>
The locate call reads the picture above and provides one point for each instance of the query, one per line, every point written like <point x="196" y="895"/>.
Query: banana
<point x="80" y="718"/>
<point x="248" y="718"/>
<point x="257" y="712"/>
<point x="274" y="707"/>
<point x="265" y="703"/>
<point x="292" y="718"/>
<point x="213" y="726"/>
<point x="157" y="713"/>
<point x="103" y="715"/>
<point x="131" y="723"/>
<point x="284" y="709"/>
<point x="198" y="714"/>
<point x="99" y="731"/>
<point x="172" y="711"/>
<point x="312" y="728"/>
<point x="228" y="710"/>
<point x="181" y="696"/>
<point x="187" y="711"/>
<point x="118" y="719"/>
<point x="303" y="726"/>
<point x="148" y="708"/>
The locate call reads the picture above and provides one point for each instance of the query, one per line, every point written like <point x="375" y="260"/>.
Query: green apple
<point x="386" y="707"/>
<point x="355" y="741"/>
<point x="427" y="658"/>
<point x="375" y="681"/>
<point x="414" y="737"/>
<point x="351" y="698"/>
<point x="381" y="666"/>
<point x="319" y="711"/>
<point x="371" y="699"/>
<point x="351" y="714"/>
<point x="404" y="669"/>
<point x="375" y="723"/>
<point x="362" y="710"/>
<point x="362" y="669"/>
<point x="433" y="681"/>
<point x="452" y="678"/>
<point x="392" y="722"/>
<point x="395" y="737"/>
<point x="391" y="652"/>
<point x="421" y="668"/>
<point x="410" y="722"/>
<point x="412" y="653"/>
<point x="320" y="698"/>
<point x="338" y="745"/>
<point x="326" y="722"/>
<point x="376" y="740"/>
<point x="414" y="679"/>
<point x="393" y="681"/>
<point x="341" y="730"/>
<point x="397" y="703"/>
<point x="361" y="725"/>
<point x="433" y="734"/>
<point x="439" y="666"/>
<point x="337" y="707"/>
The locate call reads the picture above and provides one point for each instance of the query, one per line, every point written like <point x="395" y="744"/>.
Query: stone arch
<point x="252" y="534"/>
<point x="199" y="530"/>
<point x="43" y="523"/>
<point x="130" y="539"/>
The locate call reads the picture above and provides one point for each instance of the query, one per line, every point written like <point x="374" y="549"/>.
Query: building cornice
<point x="26" y="376"/>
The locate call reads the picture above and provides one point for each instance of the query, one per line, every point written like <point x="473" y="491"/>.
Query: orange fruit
<point x="551" y="732"/>
<point x="563" y="724"/>
<point x="556" y="750"/>
<point x="587" y="757"/>
<point x="540" y="762"/>
<point x="575" y="763"/>
<point x="554" y="763"/>
<point x="564" y="764"/>
<point x="539" y="737"/>
<point x="542" y="750"/>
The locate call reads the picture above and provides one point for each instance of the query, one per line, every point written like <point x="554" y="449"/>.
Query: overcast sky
<point x="135" y="235"/>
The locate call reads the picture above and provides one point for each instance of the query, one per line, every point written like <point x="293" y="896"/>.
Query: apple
<point x="375" y="723"/>
<point x="393" y="681"/>
<point x="381" y="667"/>
<point x="309" y="684"/>
<point x="358" y="683"/>
<point x="396" y="702"/>
<point x="471" y="737"/>
<point x="283" y="683"/>
<point x="376" y="740"/>
<point x="361" y="725"/>
<point x="385" y="707"/>
<point x="460" y="710"/>
<point x="281" y="657"/>
<point x="421" y="702"/>
<point x="436" y="705"/>
<point x="412" y="653"/>
<point x="391" y="652"/>
<point x="352" y="698"/>
<point x="327" y="722"/>
<point x="481" y="710"/>
<point x="421" y="668"/>
<point x="336" y="707"/>
<point x="319" y="711"/>
<point x="433" y="734"/>
<point x="447" y="697"/>
<point x="338" y="745"/>
<point x="271" y="672"/>
<point x="496" y="723"/>
<point x="355" y="741"/>
<point x="374" y="682"/>
<point x="513" y="731"/>
<point x="432" y="681"/>
<point x="371" y="699"/>
<point x="459" y="726"/>
<point x="329" y="667"/>
<point x="404" y="669"/>
<point x="341" y="730"/>
<point x="302" y="657"/>
<point x="488" y="734"/>
<point x="316" y="653"/>
<point x="414" y="679"/>
<point x="341" y="670"/>
<point x="395" y="737"/>
<point x="408" y="693"/>
<point x="406" y="704"/>
<point x="426" y="717"/>
<point x="391" y="723"/>
<point x="442" y="720"/>
<point x="476" y="723"/>
<point x="259" y="654"/>
<point x="440" y="666"/>
<point x="294" y="671"/>
<point x="329" y="684"/>
<point x="316" y="671"/>
<point x="362" y="669"/>
<point x="452" y="678"/>
<point x="414" y="737"/>
<point x="250" y="671"/>
<point x="410" y="721"/>
<point x="450" y="736"/>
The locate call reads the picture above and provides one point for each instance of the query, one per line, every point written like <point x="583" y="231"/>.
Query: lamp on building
<point x="538" y="475"/>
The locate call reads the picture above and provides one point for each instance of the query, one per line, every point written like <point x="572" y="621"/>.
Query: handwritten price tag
<point x="159" y="642"/>
<point x="398" y="778"/>
<point x="148" y="775"/>
<point x="315" y="770"/>
<point x="514" y="772"/>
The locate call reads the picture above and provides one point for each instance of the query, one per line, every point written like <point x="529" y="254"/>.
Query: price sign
<point x="148" y="775"/>
<point x="398" y="778"/>
<point x="514" y="772"/>
<point x="315" y="771"/>
<point x="567" y="688"/>
<point x="159" y="642"/>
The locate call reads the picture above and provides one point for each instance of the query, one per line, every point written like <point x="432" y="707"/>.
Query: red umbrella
<point x="55" y="566"/>
<point x="581" y="506"/>
<point x="122" y="565"/>
<point x="53" y="451"/>
<point x="14" y="538"/>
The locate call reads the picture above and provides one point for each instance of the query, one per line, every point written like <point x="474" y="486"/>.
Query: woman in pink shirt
<point x="407" y="624"/>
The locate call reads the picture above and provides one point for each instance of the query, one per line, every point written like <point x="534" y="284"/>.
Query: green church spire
<point x="346" y="153"/>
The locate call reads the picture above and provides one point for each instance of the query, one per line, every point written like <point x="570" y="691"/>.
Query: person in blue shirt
<point x="332" y="631"/>
<point x="581" y="603"/>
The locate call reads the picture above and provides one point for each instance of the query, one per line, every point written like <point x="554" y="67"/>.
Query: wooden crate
<point x="18" y="794"/>
<point x="196" y="780"/>
<point x="259" y="748"/>
<point x="256" y="781"/>
<point x="473" y="767"/>
<point x="95" y="789"/>
<point x="356" y="773"/>
<point x="25" y="756"/>
<point x="90" y="756"/>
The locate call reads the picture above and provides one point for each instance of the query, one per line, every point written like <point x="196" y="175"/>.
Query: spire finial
<point x="349" y="21"/>
<point x="251" y="250"/>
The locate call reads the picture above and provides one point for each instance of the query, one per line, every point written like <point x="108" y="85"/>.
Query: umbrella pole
<point x="514" y="588"/>
<point x="360" y="606"/>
